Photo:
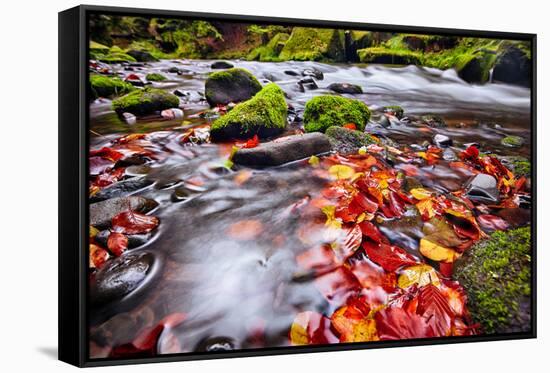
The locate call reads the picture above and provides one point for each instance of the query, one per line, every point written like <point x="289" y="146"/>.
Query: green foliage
<point x="264" y="115"/>
<point x="155" y="77"/>
<point x="146" y="101"/>
<point x="322" y="112"/>
<point x="512" y="141"/>
<point x="314" y="44"/>
<point x="104" y="86"/>
<point x="390" y="56"/>
<point x="271" y="51"/>
<point x="496" y="275"/>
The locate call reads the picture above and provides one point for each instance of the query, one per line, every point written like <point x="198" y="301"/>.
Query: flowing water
<point x="245" y="293"/>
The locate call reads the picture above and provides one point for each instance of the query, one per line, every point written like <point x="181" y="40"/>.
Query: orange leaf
<point x="117" y="243"/>
<point x="245" y="230"/>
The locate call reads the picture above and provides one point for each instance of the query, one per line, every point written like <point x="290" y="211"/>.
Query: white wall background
<point x="28" y="184"/>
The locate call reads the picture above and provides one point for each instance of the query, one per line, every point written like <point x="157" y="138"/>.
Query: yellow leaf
<point x="362" y="150"/>
<point x="437" y="252"/>
<point x="298" y="329"/>
<point x="331" y="222"/>
<point x="426" y="208"/>
<point x="93" y="231"/>
<point x="314" y="161"/>
<point x="341" y="172"/>
<point x="420" y="193"/>
<point x="421" y="274"/>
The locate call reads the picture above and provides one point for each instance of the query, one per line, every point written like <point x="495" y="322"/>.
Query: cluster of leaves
<point x="381" y="291"/>
<point x="107" y="165"/>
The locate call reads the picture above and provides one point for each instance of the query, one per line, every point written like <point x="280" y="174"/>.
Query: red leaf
<point x="434" y="307"/>
<point x="350" y="243"/>
<point x="317" y="258"/>
<point x="391" y="258"/>
<point x="350" y="126"/>
<point x="362" y="203"/>
<point x="471" y="153"/>
<point x="397" y="323"/>
<point x="98" y="256"/>
<point x="131" y="222"/>
<point x="338" y="285"/>
<point x="107" y="153"/>
<point x="372" y="232"/>
<point x="117" y="243"/>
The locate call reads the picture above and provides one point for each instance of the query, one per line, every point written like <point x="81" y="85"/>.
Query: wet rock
<point x="345" y="88"/>
<point x="121" y="188"/>
<point x="174" y="70"/>
<point x="314" y="72"/>
<point x="155" y="77"/>
<point x="433" y="121"/>
<point x="171" y="114"/>
<point x="384" y="121"/>
<point x="134" y="240"/>
<point x="395" y="110"/>
<point x="221" y="65"/>
<point x="216" y="344"/>
<point x="134" y="80"/>
<point x="105" y="86"/>
<point x="483" y="188"/>
<point x="233" y="85"/>
<point x="512" y="141"/>
<point x="129" y="118"/>
<point x="346" y="141"/>
<point x="141" y="56"/>
<point x="284" y="150"/>
<point x="442" y="141"/>
<point x="502" y="259"/>
<point x="449" y="155"/>
<point x="291" y="72"/>
<point x="263" y="115"/>
<point x="101" y="213"/>
<point x="146" y="101"/>
<point x="308" y="83"/>
<point x="120" y="277"/>
<point x="514" y="67"/>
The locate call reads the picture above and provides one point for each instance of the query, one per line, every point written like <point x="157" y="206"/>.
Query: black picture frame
<point x="73" y="190"/>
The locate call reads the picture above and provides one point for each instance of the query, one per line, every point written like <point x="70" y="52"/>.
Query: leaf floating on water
<point x="341" y="172"/>
<point x="311" y="328"/>
<point x="421" y="275"/>
<point x="421" y="193"/>
<point x="117" y="243"/>
<point x="391" y="258"/>
<point x="437" y="252"/>
<point x="331" y="221"/>
<point x="433" y="306"/>
<point x="314" y="161"/>
<point x="352" y="322"/>
<point x="397" y="323"/>
<point x="245" y="230"/>
<point x="131" y="222"/>
<point x="242" y="177"/>
<point x="98" y="256"/>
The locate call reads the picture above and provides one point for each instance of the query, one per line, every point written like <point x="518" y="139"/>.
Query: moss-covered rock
<point x="232" y="85"/>
<point x="346" y="141"/>
<point x="155" y="77"/>
<point x="105" y="86"/>
<point x="145" y="101"/>
<point x="270" y="51"/>
<point x="322" y="112"/>
<point x="496" y="274"/>
<point x="314" y="44"/>
<point x="512" y="141"/>
<point x="520" y="166"/>
<point x="263" y="115"/>
<point x="389" y="56"/>
<point x="97" y="50"/>
<point x="475" y="67"/>
<point x="395" y="110"/>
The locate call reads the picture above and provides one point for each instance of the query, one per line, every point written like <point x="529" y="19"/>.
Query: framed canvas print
<point x="236" y="186"/>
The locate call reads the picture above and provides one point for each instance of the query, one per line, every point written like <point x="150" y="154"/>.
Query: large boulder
<point x="145" y="101"/>
<point x="513" y="66"/>
<point x="284" y="150"/>
<point x="389" y="56"/>
<point x="105" y="86"/>
<point x="322" y="112"/>
<point x="496" y="274"/>
<point x="313" y="44"/>
<point x="263" y="115"/>
<point x="475" y="67"/>
<point x="232" y="85"/>
<point x="271" y="50"/>
<point x="348" y="88"/>
<point x="346" y="141"/>
<point x="141" y="55"/>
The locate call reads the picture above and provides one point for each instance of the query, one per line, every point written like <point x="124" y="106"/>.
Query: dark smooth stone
<point x="352" y="89"/>
<point x="122" y="188"/>
<point x="312" y="71"/>
<point x="221" y="65"/>
<point x="101" y="213"/>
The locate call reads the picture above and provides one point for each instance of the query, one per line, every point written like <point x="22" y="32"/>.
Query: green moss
<point x="116" y="55"/>
<point x="389" y="56"/>
<point x="521" y="166"/>
<point x="395" y="110"/>
<point x="346" y="141"/>
<point x="146" y="101"/>
<point x="155" y="77"/>
<point x="512" y="141"/>
<point x="271" y="51"/>
<point x="264" y="114"/>
<point x="314" y="44"/>
<point x="322" y="112"/>
<point x="496" y="276"/>
<point x="104" y="86"/>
